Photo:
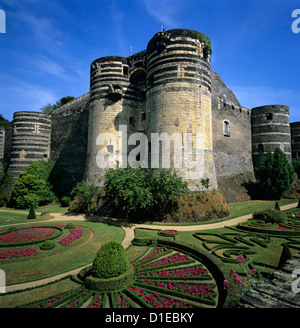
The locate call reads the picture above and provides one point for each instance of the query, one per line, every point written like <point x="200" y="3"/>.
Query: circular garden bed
<point x="163" y="278"/>
<point x="35" y="240"/>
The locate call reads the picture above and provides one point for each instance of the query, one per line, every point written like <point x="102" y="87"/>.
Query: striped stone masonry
<point x="30" y="140"/>
<point x="270" y="130"/>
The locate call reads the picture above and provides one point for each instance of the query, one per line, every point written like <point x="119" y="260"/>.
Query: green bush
<point x="296" y="166"/>
<point x="276" y="176"/>
<point x="32" y="188"/>
<point x="31" y="214"/>
<point x="134" y="192"/>
<point x="270" y="216"/>
<point x="65" y="201"/>
<point x="198" y="206"/>
<point x="85" y="198"/>
<point x="47" y="245"/>
<point x="70" y="226"/>
<point x="110" y="261"/>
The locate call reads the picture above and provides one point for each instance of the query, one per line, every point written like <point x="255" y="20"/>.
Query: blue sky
<point x="49" y="45"/>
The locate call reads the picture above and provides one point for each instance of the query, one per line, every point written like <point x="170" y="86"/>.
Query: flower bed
<point x="26" y="235"/>
<point x="15" y="253"/>
<point x="192" y="272"/>
<point x="78" y="299"/>
<point x="119" y="300"/>
<point x="168" y="233"/>
<point x="156" y="252"/>
<point x="199" y="292"/>
<point x="154" y="299"/>
<point x="71" y="237"/>
<point x="171" y="260"/>
<point x="97" y="302"/>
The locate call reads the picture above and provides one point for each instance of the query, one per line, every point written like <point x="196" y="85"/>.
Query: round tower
<point x="270" y="130"/>
<point x="31" y="140"/>
<point x="178" y="102"/>
<point x="108" y="85"/>
<point x="295" y="139"/>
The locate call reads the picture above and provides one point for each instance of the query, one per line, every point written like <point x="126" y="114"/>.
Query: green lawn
<point x="35" y="269"/>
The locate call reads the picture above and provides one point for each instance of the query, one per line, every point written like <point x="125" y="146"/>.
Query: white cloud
<point x="23" y="96"/>
<point x="118" y="19"/>
<point x="165" y="11"/>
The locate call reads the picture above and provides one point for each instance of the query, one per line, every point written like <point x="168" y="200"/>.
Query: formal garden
<point x="150" y="244"/>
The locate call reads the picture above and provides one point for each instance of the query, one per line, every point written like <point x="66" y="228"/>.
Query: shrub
<point x="31" y="187"/>
<point x="70" y="226"/>
<point x="85" y="198"/>
<point x="276" y="176"/>
<point x="31" y="214"/>
<point x="65" y="201"/>
<point x="269" y="216"/>
<point x="110" y="261"/>
<point x="47" y="245"/>
<point x="199" y="206"/>
<point x="139" y="193"/>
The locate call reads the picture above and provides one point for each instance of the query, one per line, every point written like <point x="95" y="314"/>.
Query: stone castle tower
<point x="166" y="94"/>
<point x="163" y="90"/>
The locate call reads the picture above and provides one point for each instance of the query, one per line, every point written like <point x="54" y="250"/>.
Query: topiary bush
<point x="31" y="214"/>
<point x="270" y="216"/>
<point x="47" y="245"/>
<point x="110" y="261"/>
<point x="70" y="226"/>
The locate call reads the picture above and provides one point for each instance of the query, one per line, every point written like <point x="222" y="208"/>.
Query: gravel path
<point x="129" y="236"/>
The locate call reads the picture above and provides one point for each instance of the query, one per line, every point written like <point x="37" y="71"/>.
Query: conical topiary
<point x="277" y="207"/>
<point x="31" y="214"/>
<point x="110" y="261"/>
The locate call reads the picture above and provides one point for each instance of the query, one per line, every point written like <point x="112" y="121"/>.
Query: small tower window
<point x="260" y="149"/>
<point x="125" y="70"/>
<point x="143" y="117"/>
<point x="269" y="116"/>
<point x="131" y="123"/>
<point x="226" y="128"/>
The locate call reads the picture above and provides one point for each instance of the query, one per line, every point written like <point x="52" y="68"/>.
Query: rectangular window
<point x="269" y="116"/>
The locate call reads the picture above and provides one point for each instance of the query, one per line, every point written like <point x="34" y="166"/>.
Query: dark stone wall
<point x="295" y="137"/>
<point x="232" y="153"/>
<point x="69" y="143"/>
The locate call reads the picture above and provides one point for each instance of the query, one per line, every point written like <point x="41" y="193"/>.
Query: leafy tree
<point x="4" y="122"/>
<point x="276" y="176"/>
<point x="138" y="193"/>
<point x="84" y="198"/>
<point x="32" y="187"/>
<point x="49" y="108"/>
